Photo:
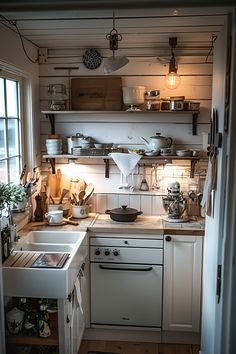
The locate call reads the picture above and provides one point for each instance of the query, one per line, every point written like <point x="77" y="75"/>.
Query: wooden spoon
<point x="89" y="190"/>
<point x="87" y="197"/>
<point x="71" y="222"/>
<point x="63" y="193"/>
<point x="74" y="195"/>
<point x="81" y="196"/>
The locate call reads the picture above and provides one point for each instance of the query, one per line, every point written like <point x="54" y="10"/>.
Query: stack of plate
<point x="54" y="146"/>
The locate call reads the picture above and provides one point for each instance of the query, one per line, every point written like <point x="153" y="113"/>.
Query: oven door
<point x="126" y="294"/>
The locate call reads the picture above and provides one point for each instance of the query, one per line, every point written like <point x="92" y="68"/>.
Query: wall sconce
<point x="172" y="79"/>
<point x="114" y="63"/>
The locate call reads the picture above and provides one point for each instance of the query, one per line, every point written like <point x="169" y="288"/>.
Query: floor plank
<point x="121" y="347"/>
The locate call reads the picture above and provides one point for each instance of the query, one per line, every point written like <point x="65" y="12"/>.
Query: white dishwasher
<point x="126" y="280"/>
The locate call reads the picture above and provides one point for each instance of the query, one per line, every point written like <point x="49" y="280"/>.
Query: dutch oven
<point x="123" y="214"/>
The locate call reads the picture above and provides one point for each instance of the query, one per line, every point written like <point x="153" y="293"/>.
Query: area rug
<point x="102" y="353"/>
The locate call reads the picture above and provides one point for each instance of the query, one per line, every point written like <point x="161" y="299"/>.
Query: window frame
<point x="20" y="155"/>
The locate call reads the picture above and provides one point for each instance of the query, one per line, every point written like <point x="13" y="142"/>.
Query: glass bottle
<point x="43" y="322"/>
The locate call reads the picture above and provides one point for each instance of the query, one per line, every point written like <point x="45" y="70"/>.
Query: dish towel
<point x="78" y="294"/>
<point x="210" y="184"/>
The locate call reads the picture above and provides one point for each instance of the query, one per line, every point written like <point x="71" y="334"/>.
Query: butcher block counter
<point x="149" y="225"/>
<point x="143" y="224"/>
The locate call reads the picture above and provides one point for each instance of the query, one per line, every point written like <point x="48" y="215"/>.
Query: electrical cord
<point x="13" y="23"/>
<point x="213" y="39"/>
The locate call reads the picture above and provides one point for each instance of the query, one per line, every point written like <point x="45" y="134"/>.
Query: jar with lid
<point x="165" y="104"/>
<point x="57" y="93"/>
<point x="152" y="100"/>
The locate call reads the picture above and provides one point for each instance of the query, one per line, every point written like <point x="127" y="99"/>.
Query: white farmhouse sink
<point x="47" y="282"/>
<point x="44" y="247"/>
<point x="52" y="237"/>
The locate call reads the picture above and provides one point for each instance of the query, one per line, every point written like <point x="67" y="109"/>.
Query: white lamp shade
<point x="114" y="63"/>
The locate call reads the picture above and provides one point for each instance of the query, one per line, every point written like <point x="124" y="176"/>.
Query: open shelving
<point x="110" y="115"/>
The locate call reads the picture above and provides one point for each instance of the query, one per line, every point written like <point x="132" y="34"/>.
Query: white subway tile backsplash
<point x="135" y="201"/>
<point x="112" y="201"/>
<point x="146" y="204"/>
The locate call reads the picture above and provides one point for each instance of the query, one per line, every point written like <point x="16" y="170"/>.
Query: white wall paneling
<point x="125" y="129"/>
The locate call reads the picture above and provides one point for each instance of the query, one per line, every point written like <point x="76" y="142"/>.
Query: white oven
<point x="126" y="280"/>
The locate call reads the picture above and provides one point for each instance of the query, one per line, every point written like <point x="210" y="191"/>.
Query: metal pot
<point x="123" y="214"/>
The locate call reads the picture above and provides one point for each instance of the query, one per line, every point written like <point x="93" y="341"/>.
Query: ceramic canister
<point x="80" y="211"/>
<point x="15" y="319"/>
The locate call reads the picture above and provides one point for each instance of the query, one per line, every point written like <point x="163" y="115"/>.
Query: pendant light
<point x="172" y="79"/>
<point x="114" y="63"/>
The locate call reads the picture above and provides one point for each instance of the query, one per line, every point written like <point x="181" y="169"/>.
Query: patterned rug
<point x="102" y="352"/>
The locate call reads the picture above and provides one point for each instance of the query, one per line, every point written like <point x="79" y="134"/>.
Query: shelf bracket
<point x="106" y="161"/>
<point x="192" y="170"/>
<point x="194" y="123"/>
<point x="51" y="118"/>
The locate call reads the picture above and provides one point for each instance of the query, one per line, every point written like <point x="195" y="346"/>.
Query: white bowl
<point x="53" y="141"/>
<point x="183" y="153"/>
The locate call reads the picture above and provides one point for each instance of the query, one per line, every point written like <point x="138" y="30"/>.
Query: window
<point x="10" y="130"/>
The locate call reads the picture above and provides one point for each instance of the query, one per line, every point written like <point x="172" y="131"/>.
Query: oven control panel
<point x="101" y="253"/>
<point x="126" y="250"/>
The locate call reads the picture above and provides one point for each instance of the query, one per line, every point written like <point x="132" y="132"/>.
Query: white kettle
<point x="157" y="142"/>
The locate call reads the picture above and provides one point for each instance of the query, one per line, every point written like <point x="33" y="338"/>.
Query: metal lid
<point x="124" y="210"/>
<point x="157" y="136"/>
<point x="152" y="93"/>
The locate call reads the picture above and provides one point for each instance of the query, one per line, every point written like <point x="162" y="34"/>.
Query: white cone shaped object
<point x="125" y="162"/>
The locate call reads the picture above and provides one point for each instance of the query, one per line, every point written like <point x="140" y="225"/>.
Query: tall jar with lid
<point x="152" y="100"/>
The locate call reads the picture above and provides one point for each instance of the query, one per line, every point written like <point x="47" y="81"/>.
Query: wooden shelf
<point x="51" y="115"/>
<point x="36" y="340"/>
<point x="120" y="112"/>
<point x="106" y="158"/>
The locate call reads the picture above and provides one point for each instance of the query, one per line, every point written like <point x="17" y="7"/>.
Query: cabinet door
<point x="182" y="283"/>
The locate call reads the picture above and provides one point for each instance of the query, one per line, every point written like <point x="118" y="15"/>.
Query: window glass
<point x="14" y="168"/>
<point x="3" y="171"/>
<point x="13" y="137"/>
<point x="2" y="101"/>
<point x="2" y="138"/>
<point x="12" y="98"/>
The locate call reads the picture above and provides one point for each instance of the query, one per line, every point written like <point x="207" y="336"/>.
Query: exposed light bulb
<point x="172" y="80"/>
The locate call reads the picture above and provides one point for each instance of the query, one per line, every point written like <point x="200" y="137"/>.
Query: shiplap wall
<point x="126" y="129"/>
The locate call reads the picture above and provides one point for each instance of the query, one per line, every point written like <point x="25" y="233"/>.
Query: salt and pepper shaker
<point x="38" y="214"/>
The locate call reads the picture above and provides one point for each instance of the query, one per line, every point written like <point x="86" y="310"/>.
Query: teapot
<point x="157" y="142"/>
<point x="85" y="142"/>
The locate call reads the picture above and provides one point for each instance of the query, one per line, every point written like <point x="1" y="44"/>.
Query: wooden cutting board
<point x="96" y="94"/>
<point x="57" y="183"/>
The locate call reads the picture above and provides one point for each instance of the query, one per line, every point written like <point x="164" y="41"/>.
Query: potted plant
<point x="10" y="194"/>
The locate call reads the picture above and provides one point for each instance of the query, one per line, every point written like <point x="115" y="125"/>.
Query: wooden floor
<point x="113" y="347"/>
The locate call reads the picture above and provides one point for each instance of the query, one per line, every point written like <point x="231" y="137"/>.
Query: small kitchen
<point x="110" y="242"/>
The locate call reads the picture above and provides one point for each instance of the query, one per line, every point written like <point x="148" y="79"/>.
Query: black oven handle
<point x="146" y="269"/>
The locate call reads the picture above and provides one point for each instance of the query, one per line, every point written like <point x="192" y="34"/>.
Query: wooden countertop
<point x="143" y="224"/>
<point x="148" y="224"/>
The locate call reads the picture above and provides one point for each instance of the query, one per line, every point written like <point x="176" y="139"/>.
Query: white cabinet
<point x="182" y="283"/>
<point x="71" y="315"/>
